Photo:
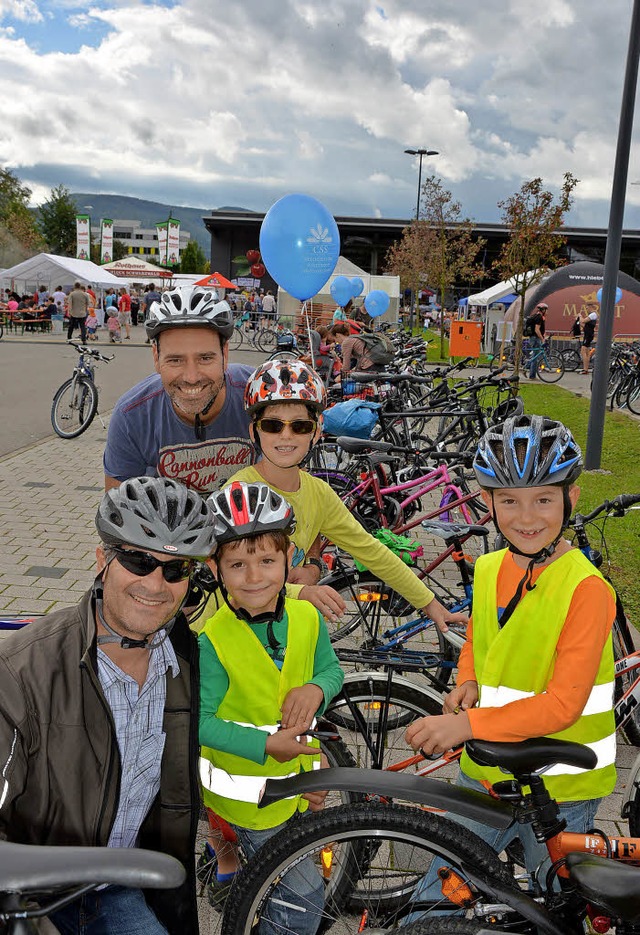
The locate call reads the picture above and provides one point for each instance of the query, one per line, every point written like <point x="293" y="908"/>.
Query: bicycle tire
<point x="399" y="844"/>
<point x="551" y="369"/>
<point x="571" y="359"/>
<point x="623" y="646"/>
<point x="498" y="361"/>
<point x="368" y="696"/>
<point x="236" y="339"/>
<point x="633" y="397"/>
<point x="72" y="416"/>
<point x="1" y="330"/>
<point x="267" y="341"/>
<point x="451" y="926"/>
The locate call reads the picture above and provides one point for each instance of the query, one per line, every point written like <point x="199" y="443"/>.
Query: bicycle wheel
<point x="623" y="646"/>
<point x="372" y="727"/>
<point x="74" y="406"/>
<point x="236" y="339"/>
<point x="571" y="358"/>
<point x="267" y="340"/>
<point x="369" y="856"/>
<point x="498" y="361"/>
<point x="550" y="368"/>
<point x="633" y="396"/>
<point x="451" y="927"/>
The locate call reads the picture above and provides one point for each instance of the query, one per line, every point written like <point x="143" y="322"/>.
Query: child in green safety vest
<point x="538" y="660"/>
<point x="267" y="669"/>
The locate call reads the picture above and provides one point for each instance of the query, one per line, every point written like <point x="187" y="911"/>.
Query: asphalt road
<point x="31" y="372"/>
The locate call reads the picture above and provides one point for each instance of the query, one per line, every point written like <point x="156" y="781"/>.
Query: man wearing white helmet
<point x="187" y="420"/>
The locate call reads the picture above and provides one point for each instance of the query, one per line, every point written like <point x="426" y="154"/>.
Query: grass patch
<point x="621" y="462"/>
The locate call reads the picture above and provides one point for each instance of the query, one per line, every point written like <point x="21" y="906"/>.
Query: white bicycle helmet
<point x="158" y="515"/>
<point x="241" y="510"/>
<point x="284" y="381"/>
<point x="190" y="306"/>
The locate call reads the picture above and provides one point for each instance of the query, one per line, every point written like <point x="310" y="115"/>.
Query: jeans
<point x="580" y="817"/>
<point x="534" y="343"/>
<point x="301" y="886"/>
<point x="115" y="910"/>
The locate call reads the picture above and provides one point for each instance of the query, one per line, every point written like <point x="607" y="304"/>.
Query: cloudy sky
<point x="237" y="102"/>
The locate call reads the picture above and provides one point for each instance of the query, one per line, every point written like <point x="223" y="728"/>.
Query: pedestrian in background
<point x="78" y="307"/>
<point x="124" y="313"/>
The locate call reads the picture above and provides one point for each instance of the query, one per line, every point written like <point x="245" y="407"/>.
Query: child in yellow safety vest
<point x="267" y="669"/>
<point x="538" y="660"/>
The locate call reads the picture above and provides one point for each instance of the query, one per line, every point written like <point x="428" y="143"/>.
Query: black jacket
<point x="59" y="759"/>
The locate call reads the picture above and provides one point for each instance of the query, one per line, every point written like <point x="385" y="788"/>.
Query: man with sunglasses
<point x="186" y="421"/>
<point x="99" y="710"/>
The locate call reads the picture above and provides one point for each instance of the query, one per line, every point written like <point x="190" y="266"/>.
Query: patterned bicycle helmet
<point x="527" y="451"/>
<point x="241" y="510"/>
<point x="158" y="515"/>
<point x="189" y="306"/>
<point x="284" y="381"/>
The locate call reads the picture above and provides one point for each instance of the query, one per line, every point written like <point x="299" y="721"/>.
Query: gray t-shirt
<point x="147" y="437"/>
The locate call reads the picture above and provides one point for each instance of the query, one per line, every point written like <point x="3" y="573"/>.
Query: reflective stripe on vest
<point x="255" y="695"/>
<point x="517" y="662"/>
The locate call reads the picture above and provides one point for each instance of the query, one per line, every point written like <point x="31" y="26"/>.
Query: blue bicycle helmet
<point x="527" y="451"/>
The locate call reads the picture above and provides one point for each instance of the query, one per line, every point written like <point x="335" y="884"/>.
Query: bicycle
<point x="260" y="338"/>
<point x="549" y="365"/>
<point x="372" y="856"/>
<point x="37" y="881"/>
<point x="75" y="403"/>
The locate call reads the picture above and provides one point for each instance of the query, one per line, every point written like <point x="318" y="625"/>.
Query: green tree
<point x="192" y="259"/>
<point x="534" y="219"/>
<point x="57" y="221"/>
<point x="454" y="253"/>
<point x="409" y="256"/>
<point x="19" y="235"/>
<point x="119" y="250"/>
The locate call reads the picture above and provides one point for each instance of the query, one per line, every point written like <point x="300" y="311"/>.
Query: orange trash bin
<point x="465" y="339"/>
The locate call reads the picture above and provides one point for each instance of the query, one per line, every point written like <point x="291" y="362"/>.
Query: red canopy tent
<point x="217" y="280"/>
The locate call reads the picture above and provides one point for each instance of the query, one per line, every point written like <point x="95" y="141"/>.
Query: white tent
<point x="50" y="270"/>
<point x="497" y="292"/>
<point x="135" y="269"/>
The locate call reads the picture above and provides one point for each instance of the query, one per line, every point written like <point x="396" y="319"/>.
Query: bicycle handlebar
<point x="92" y="352"/>
<point x="618" y="506"/>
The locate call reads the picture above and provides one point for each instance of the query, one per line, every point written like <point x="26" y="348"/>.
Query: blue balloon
<point x="341" y="290"/>
<point x="299" y="244"/>
<point x="618" y="295"/>
<point x="358" y="286"/>
<point x="377" y="302"/>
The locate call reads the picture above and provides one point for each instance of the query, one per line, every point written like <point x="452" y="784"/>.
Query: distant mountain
<point x="147" y="212"/>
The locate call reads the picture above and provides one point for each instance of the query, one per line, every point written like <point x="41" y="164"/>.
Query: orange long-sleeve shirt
<point x="579" y="649"/>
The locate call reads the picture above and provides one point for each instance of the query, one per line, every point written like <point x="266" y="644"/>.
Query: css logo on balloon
<point x="319" y="234"/>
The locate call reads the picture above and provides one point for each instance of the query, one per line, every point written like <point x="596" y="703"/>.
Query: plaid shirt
<point x="138" y="715"/>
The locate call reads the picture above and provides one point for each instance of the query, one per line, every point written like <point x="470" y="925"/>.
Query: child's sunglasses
<point x="143" y="564"/>
<point x="298" y="426"/>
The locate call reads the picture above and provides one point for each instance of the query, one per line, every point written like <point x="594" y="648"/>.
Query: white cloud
<point x="240" y="103"/>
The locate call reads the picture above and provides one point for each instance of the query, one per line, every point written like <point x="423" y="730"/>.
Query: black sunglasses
<point x="142" y="564"/>
<point x="275" y="426"/>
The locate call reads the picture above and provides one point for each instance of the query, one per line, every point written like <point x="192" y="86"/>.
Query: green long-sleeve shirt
<point x="249" y="742"/>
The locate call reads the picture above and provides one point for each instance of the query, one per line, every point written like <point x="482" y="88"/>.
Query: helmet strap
<point x="127" y="642"/>
<point x="199" y="425"/>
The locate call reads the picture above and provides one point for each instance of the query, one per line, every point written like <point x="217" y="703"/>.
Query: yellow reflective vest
<point x="518" y="660"/>
<point x="257" y="689"/>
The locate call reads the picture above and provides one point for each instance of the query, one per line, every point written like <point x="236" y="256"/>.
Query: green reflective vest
<point x="517" y="662"/>
<point x="257" y="689"/>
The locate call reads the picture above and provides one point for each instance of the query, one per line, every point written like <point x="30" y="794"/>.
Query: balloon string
<point x="306" y="316"/>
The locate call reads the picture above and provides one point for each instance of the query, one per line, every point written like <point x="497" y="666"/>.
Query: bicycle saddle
<point x="529" y="756"/>
<point x="361" y="376"/>
<point x="27" y="868"/>
<point x="356" y="446"/>
<point x="451" y="531"/>
<point x="606" y="883"/>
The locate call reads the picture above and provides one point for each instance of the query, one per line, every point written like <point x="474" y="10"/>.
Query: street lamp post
<point x="421" y="153"/>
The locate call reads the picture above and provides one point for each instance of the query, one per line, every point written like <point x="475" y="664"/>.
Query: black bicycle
<point x="75" y="403"/>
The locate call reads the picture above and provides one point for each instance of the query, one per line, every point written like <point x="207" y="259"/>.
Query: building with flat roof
<point x="365" y="242"/>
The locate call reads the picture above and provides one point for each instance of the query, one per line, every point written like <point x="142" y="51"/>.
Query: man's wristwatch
<point x="320" y="565"/>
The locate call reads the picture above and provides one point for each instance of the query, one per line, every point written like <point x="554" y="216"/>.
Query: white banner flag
<point x="83" y="237"/>
<point x="106" y="241"/>
<point x="173" y="243"/>
<point x="161" y="230"/>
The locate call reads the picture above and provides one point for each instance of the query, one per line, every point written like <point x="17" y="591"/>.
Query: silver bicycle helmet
<point x="158" y="515"/>
<point x="527" y="451"/>
<point x="241" y="510"/>
<point x="190" y="306"/>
